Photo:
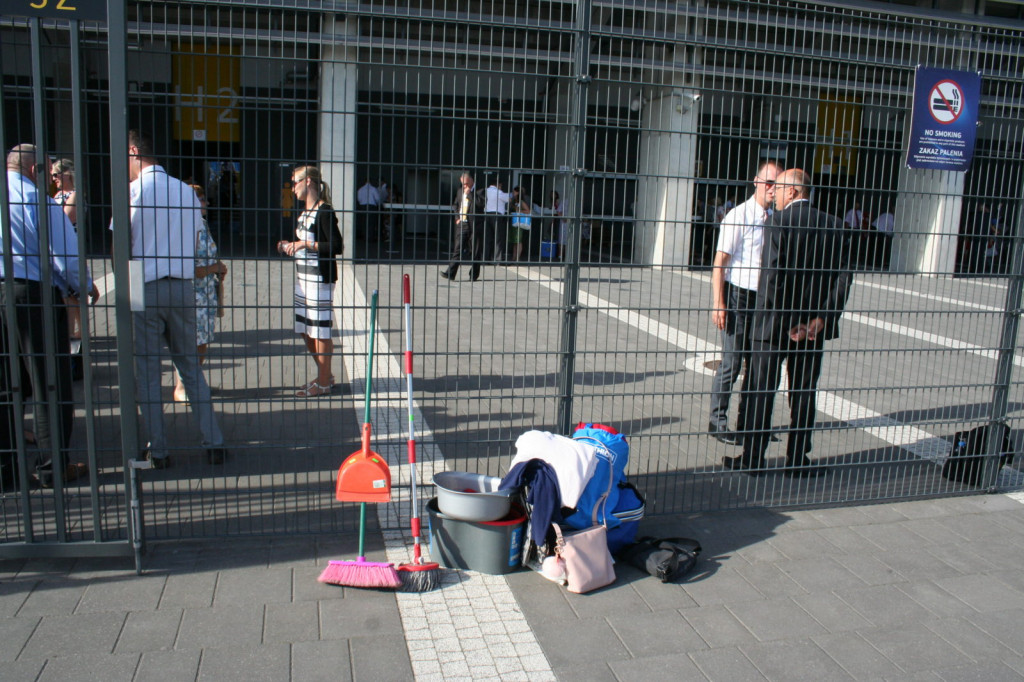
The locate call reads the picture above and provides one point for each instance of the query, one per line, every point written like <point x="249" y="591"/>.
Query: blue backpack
<point x="612" y="457"/>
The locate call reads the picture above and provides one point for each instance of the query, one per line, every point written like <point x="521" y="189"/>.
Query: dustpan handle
<point x="369" y="356"/>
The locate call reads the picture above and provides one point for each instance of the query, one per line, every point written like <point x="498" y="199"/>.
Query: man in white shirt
<point x="885" y="223"/>
<point x="734" y="292"/>
<point x="165" y="221"/>
<point x="368" y="218"/>
<point x="854" y="217"/>
<point x="495" y="221"/>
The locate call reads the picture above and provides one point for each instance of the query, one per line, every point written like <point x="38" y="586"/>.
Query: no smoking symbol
<point x="946" y="101"/>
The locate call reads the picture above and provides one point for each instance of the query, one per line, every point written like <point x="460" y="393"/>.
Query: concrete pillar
<point x="927" y="215"/>
<point x="337" y="148"/>
<point x="560" y="153"/>
<point x="665" y="182"/>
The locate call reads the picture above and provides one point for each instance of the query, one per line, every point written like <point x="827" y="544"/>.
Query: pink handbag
<point x="588" y="563"/>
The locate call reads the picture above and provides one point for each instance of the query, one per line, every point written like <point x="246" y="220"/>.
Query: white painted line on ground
<point x="471" y="627"/>
<point x="105" y="284"/>
<point x="910" y="293"/>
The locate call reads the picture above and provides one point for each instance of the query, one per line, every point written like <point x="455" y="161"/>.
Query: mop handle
<point x="369" y="356"/>
<point x="414" y="517"/>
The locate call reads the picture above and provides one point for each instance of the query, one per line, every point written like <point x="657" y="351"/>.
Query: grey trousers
<point x="735" y="350"/>
<point x="170" y="317"/>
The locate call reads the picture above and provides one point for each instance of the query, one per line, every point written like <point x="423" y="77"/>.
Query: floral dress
<point x="206" y="287"/>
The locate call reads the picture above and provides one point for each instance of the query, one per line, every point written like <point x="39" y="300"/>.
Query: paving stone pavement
<point x="927" y="589"/>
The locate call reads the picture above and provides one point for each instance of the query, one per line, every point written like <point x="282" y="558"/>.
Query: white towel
<point x="573" y="461"/>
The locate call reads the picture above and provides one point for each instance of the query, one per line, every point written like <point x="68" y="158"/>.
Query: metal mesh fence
<point x="625" y="133"/>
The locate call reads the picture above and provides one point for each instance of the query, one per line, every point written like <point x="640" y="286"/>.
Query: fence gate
<point x="628" y="129"/>
<point x="88" y="516"/>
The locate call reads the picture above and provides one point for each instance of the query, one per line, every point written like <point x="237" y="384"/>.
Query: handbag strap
<point x="559" y="540"/>
<point x="684" y="543"/>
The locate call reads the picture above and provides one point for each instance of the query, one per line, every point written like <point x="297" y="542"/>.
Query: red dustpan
<point x="364" y="476"/>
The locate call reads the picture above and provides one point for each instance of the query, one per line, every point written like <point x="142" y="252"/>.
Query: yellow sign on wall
<point x="207" y="85"/>
<point x="838" y="134"/>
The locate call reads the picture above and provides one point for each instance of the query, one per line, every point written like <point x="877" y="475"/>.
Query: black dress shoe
<point x="805" y="472"/>
<point x="723" y="435"/>
<point x="216" y="455"/>
<point x="737" y="464"/>
<point x="445" y="274"/>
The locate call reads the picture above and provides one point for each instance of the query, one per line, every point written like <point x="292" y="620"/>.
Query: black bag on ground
<point x="967" y="458"/>
<point x="667" y="559"/>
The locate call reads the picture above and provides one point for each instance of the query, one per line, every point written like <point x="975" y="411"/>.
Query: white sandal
<point x="314" y="390"/>
<point x="309" y="384"/>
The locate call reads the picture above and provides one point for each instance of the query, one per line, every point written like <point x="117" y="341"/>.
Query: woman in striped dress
<point x="317" y="244"/>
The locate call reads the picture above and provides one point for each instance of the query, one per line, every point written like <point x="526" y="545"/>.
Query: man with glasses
<point x="734" y="292"/>
<point x="802" y="289"/>
<point x="27" y="291"/>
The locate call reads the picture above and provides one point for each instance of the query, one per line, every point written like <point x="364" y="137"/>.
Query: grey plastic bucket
<point x="493" y="547"/>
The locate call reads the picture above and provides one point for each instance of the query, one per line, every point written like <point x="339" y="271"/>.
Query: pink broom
<point x="355" y="485"/>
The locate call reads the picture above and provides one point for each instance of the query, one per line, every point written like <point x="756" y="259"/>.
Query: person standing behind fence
<point x="317" y="245"/>
<point x="369" y="201"/>
<point x="519" y="231"/>
<point x="734" y="293"/>
<point x="62" y="173"/>
<point x="468" y="247"/>
<point x="166" y="218"/>
<point x="209" y="276"/>
<point x="27" y="291"/>
<point x="495" y="221"/>
<point x="801" y="292"/>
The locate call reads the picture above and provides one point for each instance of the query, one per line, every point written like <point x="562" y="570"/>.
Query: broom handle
<point x="369" y="356"/>
<point x="366" y="416"/>
<point x="415" y="516"/>
<point x="362" y="528"/>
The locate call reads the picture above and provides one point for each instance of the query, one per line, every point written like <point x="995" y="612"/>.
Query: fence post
<point x="1004" y="364"/>
<point x="571" y="278"/>
<point x="117" y="51"/>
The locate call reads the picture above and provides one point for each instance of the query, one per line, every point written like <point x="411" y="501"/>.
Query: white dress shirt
<point x="165" y="220"/>
<point x="741" y="236"/>
<point x="497" y="201"/>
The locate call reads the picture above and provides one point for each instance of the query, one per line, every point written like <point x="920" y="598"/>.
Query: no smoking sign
<point x="946" y="101"/>
<point x="944" y="121"/>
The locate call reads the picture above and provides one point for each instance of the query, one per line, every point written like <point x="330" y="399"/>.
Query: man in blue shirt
<point x="26" y="289"/>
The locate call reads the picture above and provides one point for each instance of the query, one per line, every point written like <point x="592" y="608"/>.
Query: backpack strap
<point x="602" y="450"/>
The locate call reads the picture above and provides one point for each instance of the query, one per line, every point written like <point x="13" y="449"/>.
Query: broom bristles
<point x="419" y="577"/>
<point x="360" y="573"/>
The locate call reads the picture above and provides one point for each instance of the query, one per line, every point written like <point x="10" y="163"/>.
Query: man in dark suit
<point x="469" y="238"/>
<point x="802" y="289"/>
